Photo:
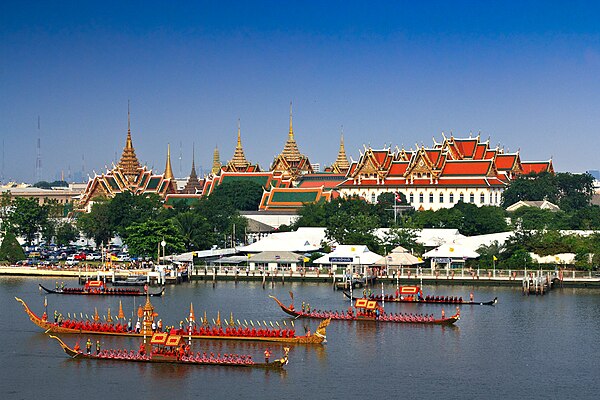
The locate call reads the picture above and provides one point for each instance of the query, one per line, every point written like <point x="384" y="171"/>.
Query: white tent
<point x="303" y="240"/>
<point x="398" y="257"/>
<point x="349" y="255"/>
<point x="451" y="251"/>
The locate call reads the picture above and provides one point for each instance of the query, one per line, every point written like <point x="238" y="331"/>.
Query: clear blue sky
<point x="527" y="74"/>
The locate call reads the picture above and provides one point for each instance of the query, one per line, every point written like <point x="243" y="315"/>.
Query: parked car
<point x="80" y="256"/>
<point x="123" y="257"/>
<point x="94" y="257"/>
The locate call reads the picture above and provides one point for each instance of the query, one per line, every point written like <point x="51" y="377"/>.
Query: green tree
<point x="66" y="233"/>
<point x="143" y="238"/>
<point x="10" y="249"/>
<point x="385" y="208"/>
<point x="575" y="191"/>
<point x="6" y="210"/>
<point x="242" y="195"/>
<point x="195" y="230"/>
<point x="531" y="187"/>
<point x="405" y="237"/>
<point x="487" y="254"/>
<point x="312" y="215"/>
<point x="127" y="208"/>
<point x="568" y="191"/>
<point x="28" y="218"/>
<point x="97" y="223"/>
<point x="346" y="228"/>
<point x="221" y="218"/>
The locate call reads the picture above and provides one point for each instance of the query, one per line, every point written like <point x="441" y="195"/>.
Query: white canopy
<point x="349" y="254"/>
<point x="451" y="250"/>
<point x="398" y="257"/>
<point x="303" y="240"/>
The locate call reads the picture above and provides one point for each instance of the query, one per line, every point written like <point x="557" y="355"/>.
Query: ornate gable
<point x="373" y="164"/>
<point x="421" y="166"/>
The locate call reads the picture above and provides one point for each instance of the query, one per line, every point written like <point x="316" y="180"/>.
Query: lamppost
<point x="163" y="244"/>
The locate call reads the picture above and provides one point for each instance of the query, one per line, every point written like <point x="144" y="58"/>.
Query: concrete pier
<point x="406" y="277"/>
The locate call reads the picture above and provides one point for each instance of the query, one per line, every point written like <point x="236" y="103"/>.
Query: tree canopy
<point x="568" y="191"/>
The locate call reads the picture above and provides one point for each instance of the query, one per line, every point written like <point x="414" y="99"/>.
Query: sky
<point x="524" y="74"/>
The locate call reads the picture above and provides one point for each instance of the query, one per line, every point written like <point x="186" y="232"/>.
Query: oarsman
<point x="97" y="347"/>
<point x="88" y="346"/>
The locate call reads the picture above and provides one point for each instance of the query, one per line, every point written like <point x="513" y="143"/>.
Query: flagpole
<point x="395" y="207"/>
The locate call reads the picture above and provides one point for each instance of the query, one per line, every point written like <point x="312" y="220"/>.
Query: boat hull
<point x="75" y="354"/>
<point x="82" y="292"/>
<point x="382" y="319"/>
<point x="423" y="301"/>
<point x="319" y="337"/>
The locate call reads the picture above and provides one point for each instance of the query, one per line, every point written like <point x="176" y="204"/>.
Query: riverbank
<point x="501" y="278"/>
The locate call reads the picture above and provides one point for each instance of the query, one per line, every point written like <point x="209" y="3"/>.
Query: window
<point x="431" y="197"/>
<point x="496" y="198"/>
<point x="482" y="198"/>
<point x="411" y="198"/>
<point x="472" y="198"/>
<point x="441" y="198"/>
<point x="421" y="198"/>
<point x="451" y="198"/>
<point x="461" y="197"/>
<point x="373" y="198"/>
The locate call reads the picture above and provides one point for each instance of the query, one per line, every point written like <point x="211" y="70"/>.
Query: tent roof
<point x="276" y="256"/>
<point x="451" y="250"/>
<point x="349" y="254"/>
<point x="302" y="240"/>
<point x="397" y="259"/>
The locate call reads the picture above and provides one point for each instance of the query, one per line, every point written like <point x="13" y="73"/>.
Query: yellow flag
<point x="495" y="258"/>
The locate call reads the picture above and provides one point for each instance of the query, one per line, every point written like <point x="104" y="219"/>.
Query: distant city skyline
<point x="524" y="74"/>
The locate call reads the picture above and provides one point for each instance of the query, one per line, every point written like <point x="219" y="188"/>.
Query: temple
<point x="128" y="176"/>
<point x="341" y="164"/>
<point x="239" y="163"/>
<point x="453" y="170"/>
<point x="291" y="162"/>
<point x="431" y="178"/>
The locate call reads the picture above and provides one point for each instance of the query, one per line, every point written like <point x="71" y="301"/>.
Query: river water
<point x="524" y="347"/>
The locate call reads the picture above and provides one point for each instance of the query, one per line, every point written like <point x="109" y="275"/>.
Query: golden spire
<point x="168" y="169"/>
<point x="216" y="162"/>
<point x="291" y="132"/>
<point x="239" y="159"/>
<point x="341" y="163"/>
<point x="290" y="150"/>
<point x="129" y="162"/>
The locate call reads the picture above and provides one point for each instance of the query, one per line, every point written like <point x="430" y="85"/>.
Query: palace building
<point x="128" y="176"/>
<point x="290" y="162"/>
<point x="454" y="170"/>
<point x="431" y="178"/>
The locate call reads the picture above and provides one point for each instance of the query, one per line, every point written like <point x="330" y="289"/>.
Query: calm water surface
<point x="525" y="347"/>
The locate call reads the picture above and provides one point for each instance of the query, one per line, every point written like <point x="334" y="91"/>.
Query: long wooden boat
<point x="171" y="350"/>
<point x="369" y="310"/>
<point x="414" y="294"/>
<point x="98" y="288"/>
<point x="240" y="333"/>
